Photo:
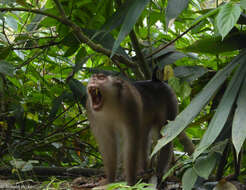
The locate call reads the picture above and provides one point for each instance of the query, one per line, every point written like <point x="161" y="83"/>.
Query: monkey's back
<point x="159" y="101"/>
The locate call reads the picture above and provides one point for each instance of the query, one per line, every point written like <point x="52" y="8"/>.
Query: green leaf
<point x="239" y="120"/>
<point x="78" y="89"/>
<point x="188" y="114"/>
<point x="80" y="55"/>
<point x="220" y="117"/>
<point x="71" y="50"/>
<point x="117" y="19"/>
<point x="243" y="4"/>
<point x="189" y="73"/>
<point x="133" y="13"/>
<point x="12" y="22"/>
<point x="185" y="90"/>
<point x="174" y="8"/>
<point x="205" y="165"/>
<point x="70" y="40"/>
<point x="106" y="40"/>
<point x="80" y="63"/>
<point x="189" y="179"/>
<point x="35" y="22"/>
<point x="6" y="68"/>
<point x="214" y="45"/>
<point x="57" y="103"/>
<point x="227" y="18"/>
<point x="4" y="52"/>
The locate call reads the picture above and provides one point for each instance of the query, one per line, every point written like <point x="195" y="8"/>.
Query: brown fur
<point x="132" y="110"/>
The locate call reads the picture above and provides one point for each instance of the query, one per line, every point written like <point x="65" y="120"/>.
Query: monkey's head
<point x="102" y="88"/>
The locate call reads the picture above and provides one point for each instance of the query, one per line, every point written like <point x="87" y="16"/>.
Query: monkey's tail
<point x="155" y="77"/>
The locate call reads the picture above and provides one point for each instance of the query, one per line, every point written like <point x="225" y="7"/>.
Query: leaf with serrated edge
<point x="227" y="18"/>
<point x="174" y="128"/>
<point x="239" y="120"/>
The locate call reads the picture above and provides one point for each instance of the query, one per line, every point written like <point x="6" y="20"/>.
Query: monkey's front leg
<point x="106" y="139"/>
<point x="131" y="148"/>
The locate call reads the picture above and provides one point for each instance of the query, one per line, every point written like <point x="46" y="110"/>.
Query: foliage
<point x="49" y="49"/>
<point x="124" y="186"/>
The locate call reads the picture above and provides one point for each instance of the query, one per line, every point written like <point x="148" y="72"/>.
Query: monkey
<point x="131" y="110"/>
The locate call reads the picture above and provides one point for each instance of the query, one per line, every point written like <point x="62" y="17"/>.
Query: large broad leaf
<point x="169" y="58"/>
<point x="214" y="45"/>
<point x="239" y="120"/>
<point x="220" y="117"/>
<point x="227" y="18"/>
<point x="106" y="40"/>
<point x="205" y="165"/>
<point x="189" y="179"/>
<point x="117" y="19"/>
<point x="133" y="13"/>
<point x="174" y="8"/>
<point x="189" y="73"/>
<point x="243" y="4"/>
<point x="186" y="116"/>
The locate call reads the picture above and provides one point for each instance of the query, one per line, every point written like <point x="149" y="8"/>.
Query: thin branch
<point x="5" y="33"/>
<point x="61" y="10"/>
<point x="142" y="62"/>
<point x="78" y="32"/>
<point x="36" y="47"/>
<point x="29" y="60"/>
<point x="171" y="42"/>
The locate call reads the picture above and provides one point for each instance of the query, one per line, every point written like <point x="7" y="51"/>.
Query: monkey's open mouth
<point x="96" y="97"/>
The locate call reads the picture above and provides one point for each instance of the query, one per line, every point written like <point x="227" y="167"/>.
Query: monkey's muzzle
<point x="96" y="97"/>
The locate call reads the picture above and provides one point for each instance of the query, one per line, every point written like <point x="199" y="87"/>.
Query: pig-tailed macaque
<point x="116" y="106"/>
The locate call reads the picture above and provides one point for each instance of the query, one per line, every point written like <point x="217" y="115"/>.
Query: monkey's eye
<point x="101" y="77"/>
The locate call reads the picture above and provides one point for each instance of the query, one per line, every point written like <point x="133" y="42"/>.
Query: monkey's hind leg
<point x="164" y="160"/>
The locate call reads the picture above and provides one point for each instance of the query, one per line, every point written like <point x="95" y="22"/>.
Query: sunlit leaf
<point x="239" y="120"/>
<point x="11" y="22"/>
<point x="227" y="18"/>
<point x="35" y="22"/>
<point x="189" y="113"/>
<point x="71" y="50"/>
<point x="220" y="117"/>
